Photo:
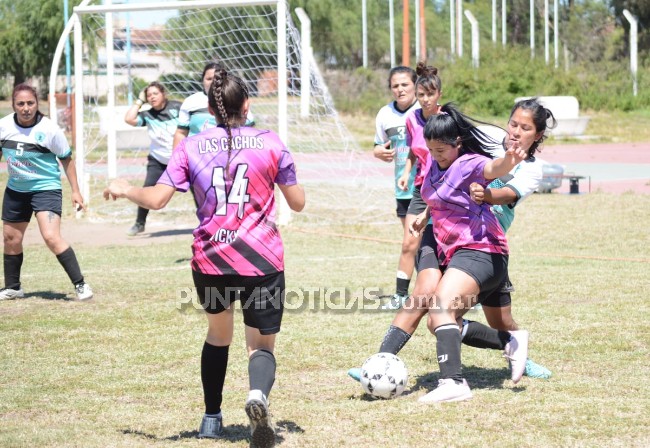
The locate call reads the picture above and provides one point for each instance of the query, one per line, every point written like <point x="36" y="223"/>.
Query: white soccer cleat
<point x="257" y="409"/>
<point x="448" y="390"/>
<point x="516" y="351"/>
<point x="83" y="291"/>
<point x="11" y="294"/>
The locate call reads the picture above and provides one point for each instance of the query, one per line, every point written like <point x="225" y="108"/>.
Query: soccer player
<point x="526" y="127"/>
<point x="194" y="116"/>
<point x="237" y="249"/>
<point x="160" y="119"/>
<point x="472" y="248"/>
<point x="33" y="146"/>
<point x="390" y="145"/>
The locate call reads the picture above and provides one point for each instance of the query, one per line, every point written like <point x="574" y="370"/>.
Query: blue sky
<point x="148" y="18"/>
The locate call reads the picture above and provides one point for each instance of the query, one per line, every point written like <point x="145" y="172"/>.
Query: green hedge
<point x="502" y="76"/>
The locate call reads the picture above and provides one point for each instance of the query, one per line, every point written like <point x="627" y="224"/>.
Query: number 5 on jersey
<point x="238" y="193"/>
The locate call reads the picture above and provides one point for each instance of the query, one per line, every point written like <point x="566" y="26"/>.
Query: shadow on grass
<point x="477" y="378"/>
<point x="231" y="433"/>
<point x="47" y="295"/>
<point x="172" y="232"/>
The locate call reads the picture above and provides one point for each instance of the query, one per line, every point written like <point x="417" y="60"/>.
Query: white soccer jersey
<point x="390" y="124"/>
<point x="524" y="179"/>
<point x="195" y="117"/>
<point x="31" y="154"/>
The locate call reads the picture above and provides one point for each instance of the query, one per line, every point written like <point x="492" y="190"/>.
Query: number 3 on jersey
<point x="238" y="193"/>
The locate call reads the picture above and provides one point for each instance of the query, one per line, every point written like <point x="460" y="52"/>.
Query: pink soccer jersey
<point x="237" y="233"/>
<point x="415" y="123"/>
<point x="459" y="223"/>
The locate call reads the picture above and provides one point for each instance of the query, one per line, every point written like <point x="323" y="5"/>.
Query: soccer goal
<point x="117" y="51"/>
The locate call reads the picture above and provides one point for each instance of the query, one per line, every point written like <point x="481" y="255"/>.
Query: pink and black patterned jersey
<point x="415" y="123"/>
<point x="237" y="233"/>
<point x="459" y="223"/>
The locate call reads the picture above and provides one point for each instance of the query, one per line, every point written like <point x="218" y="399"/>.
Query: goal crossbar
<point x="195" y="4"/>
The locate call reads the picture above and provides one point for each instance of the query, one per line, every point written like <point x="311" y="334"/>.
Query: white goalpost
<point x="117" y="50"/>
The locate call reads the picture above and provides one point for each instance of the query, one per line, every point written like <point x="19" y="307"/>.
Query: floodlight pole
<point x="391" y="27"/>
<point x="494" y="21"/>
<point x="417" y="30"/>
<point x="459" y="27"/>
<point x="452" y="25"/>
<point x="364" y="30"/>
<point x="503" y="23"/>
<point x="556" y="34"/>
<point x="634" y="29"/>
<point x="475" y="38"/>
<point x="532" y="29"/>
<point x="546" y="36"/>
<point x="406" y="45"/>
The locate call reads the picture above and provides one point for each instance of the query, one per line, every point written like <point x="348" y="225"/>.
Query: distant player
<point x="237" y="249"/>
<point x="33" y="146"/>
<point x="390" y="146"/>
<point x="161" y="120"/>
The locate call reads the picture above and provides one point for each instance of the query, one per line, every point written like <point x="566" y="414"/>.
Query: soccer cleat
<point x="355" y="373"/>
<point x="395" y="302"/>
<point x="516" y="351"/>
<point x="448" y="390"/>
<point x="257" y="409"/>
<point x="211" y="427"/>
<point x="137" y="228"/>
<point x="10" y="294"/>
<point x="534" y="370"/>
<point x="83" y="291"/>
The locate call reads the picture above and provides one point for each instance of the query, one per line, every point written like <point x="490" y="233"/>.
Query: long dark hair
<point x="226" y="98"/>
<point x="451" y="124"/>
<point x="543" y="119"/>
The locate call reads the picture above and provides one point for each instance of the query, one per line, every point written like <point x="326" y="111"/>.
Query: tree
<point x="640" y="9"/>
<point x="29" y="33"/>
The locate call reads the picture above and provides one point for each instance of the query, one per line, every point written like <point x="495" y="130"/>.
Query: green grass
<point x="123" y="369"/>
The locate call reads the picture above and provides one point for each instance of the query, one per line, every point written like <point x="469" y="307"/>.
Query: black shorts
<point x="427" y="256"/>
<point x="19" y="207"/>
<point x="262" y="298"/>
<point x="417" y="205"/>
<point x="402" y="207"/>
<point x="500" y="297"/>
<point x="488" y="270"/>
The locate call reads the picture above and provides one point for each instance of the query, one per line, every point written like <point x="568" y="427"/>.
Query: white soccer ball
<point x="384" y="375"/>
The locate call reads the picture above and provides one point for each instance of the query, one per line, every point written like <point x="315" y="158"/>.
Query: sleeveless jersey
<point x="459" y="223"/>
<point x="31" y="153"/>
<point x="415" y="123"/>
<point x="390" y="124"/>
<point x="237" y="233"/>
<point x="161" y="125"/>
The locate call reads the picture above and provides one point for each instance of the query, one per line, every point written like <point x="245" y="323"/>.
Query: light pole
<point x="364" y="30"/>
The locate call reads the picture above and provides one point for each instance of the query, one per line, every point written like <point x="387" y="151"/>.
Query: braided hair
<point x="226" y="98"/>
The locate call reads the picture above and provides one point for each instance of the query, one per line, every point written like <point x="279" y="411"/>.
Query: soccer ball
<point x="384" y="375"/>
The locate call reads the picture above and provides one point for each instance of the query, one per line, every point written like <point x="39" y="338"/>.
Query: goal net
<point x="126" y="46"/>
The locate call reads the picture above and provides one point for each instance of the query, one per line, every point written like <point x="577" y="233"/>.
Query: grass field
<point x="123" y="369"/>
